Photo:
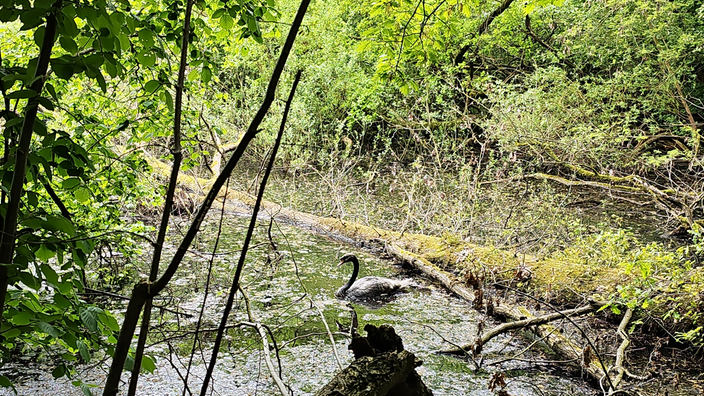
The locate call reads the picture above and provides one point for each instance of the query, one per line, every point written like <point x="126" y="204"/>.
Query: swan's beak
<point x="340" y="264"/>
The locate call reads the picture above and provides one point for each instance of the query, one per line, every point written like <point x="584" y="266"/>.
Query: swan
<point x="369" y="286"/>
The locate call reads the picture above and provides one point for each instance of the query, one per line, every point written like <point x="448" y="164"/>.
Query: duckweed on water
<point x="286" y="295"/>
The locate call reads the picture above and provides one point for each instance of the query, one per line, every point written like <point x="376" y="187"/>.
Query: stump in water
<point x="381" y="368"/>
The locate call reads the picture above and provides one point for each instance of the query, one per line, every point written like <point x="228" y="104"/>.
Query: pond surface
<point x="288" y="291"/>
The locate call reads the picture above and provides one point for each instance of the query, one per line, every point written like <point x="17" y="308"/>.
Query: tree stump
<point x="381" y="368"/>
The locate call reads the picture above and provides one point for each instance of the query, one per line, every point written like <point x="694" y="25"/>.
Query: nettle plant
<point x="86" y="87"/>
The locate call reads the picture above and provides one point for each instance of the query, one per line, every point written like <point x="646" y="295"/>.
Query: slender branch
<point x="602" y="365"/>
<point x="518" y="324"/>
<point x="537" y="39"/>
<point x="621" y="355"/>
<point x="255" y="212"/>
<point x="459" y="58"/>
<point x="9" y="229"/>
<point x="54" y="197"/>
<point x="267" y="357"/>
<point x="89" y="291"/>
<point x="206" y="292"/>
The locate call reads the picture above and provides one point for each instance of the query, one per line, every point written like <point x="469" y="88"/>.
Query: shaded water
<point x="289" y="295"/>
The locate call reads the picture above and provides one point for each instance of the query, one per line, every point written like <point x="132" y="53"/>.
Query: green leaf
<point x="89" y="318"/>
<point x="67" y="26"/>
<point x="226" y="22"/>
<point x="59" y="371"/>
<point x="83" y="350"/>
<point x="32" y="199"/>
<point x="206" y="75"/>
<point x="146" y="38"/>
<point x="8" y="15"/>
<point x="61" y="301"/>
<point x="14" y="121"/>
<point x="49" y="274"/>
<point x="129" y="362"/>
<point x="48" y="329"/>
<point x="46" y="102"/>
<point x="111" y="69"/>
<point x="65" y="288"/>
<point x="193" y="74"/>
<point x="101" y="81"/>
<point x="70" y="183"/>
<point x="68" y="44"/>
<point x="168" y="100"/>
<point x="39" y="36"/>
<point x="68" y="356"/>
<point x="44" y="253"/>
<point x="11" y="334"/>
<point x="253" y="26"/>
<point x="30" y="280"/>
<point x="45" y="4"/>
<point x="32" y="18"/>
<point x="39" y="127"/>
<point x="22" y="318"/>
<point x="152" y="86"/>
<point x="63" y="70"/>
<point x="146" y="58"/>
<point x="110" y="322"/>
<point x="117" y="18"/>
<point x="22" y="94"/>
<point x="86" y="390"/>
<point x="6" y="383"/>
<point x="148" y="364"/>
<point x="82" y="194"/>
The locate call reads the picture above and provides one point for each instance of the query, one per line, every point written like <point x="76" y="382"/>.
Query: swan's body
<point x="369" y="286"/>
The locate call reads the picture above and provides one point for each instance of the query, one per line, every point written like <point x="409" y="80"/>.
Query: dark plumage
<point x="369" y="286"/>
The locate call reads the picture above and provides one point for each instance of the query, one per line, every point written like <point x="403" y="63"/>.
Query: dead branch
<point x="267" y="357"/>
<point x="520" y="324"/>
<point x="621" y="355"/>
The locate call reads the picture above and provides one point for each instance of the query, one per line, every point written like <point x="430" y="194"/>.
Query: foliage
<point x="661" y="284"/>
<point x="106" y="98"/>
<point x="437" y="86"/>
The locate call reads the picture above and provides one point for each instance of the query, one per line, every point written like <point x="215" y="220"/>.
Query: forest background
<point x="495" y="122"/>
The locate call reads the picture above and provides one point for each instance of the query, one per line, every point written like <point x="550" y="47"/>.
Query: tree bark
<point x="7" y="239"/>
<point x="460" y="57"/>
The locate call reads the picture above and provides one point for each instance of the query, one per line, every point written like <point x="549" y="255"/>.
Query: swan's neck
<point x="355" y="272"/>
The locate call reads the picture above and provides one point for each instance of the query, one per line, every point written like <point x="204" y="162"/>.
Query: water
<point x="288" y="295"/>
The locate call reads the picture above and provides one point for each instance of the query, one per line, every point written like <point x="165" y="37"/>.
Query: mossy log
<point x="455" y="263"/>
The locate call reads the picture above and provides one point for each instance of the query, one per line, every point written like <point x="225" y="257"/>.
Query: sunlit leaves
<point x="410" y="34"/>
<point x="530" y="6"/>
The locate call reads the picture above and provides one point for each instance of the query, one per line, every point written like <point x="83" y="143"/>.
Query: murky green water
<point x="288" y="295"/>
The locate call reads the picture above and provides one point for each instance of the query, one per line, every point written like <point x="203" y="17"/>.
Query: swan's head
<point x="347" y="258"/>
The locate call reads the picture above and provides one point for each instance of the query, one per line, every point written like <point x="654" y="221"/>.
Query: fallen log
<point x="519" y="316"/>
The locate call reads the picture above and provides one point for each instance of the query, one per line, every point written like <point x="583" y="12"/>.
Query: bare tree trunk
<point x="7" y="239"/>
<point x="173" y="181"/>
